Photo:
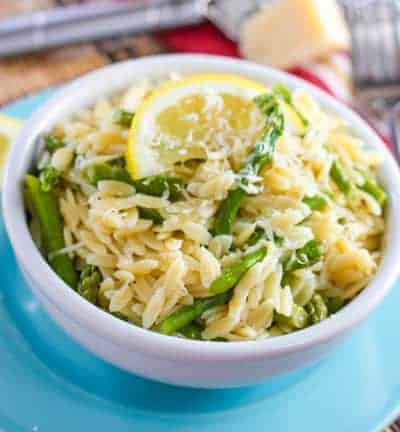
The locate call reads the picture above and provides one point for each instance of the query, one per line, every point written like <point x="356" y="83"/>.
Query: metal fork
<point x="101" y="19"/>
<point x="375" y="31"/>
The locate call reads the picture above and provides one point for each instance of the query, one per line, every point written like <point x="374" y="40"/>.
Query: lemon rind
<point x="237" y="81"/>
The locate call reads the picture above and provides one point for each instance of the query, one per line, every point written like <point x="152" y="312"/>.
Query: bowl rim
<point x="135" y="338"/>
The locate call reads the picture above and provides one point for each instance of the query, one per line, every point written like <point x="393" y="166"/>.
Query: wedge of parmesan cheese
<point x="289" y="33"/>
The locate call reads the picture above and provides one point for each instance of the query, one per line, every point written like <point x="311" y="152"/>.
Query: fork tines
<point x="375" y="30"/>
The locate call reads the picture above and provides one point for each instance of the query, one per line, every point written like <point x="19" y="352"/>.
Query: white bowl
<point x="169" y="359"/>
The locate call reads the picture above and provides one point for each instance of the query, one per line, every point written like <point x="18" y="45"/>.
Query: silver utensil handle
<point x="72" y="13"/>
<point x="75" y="24"/>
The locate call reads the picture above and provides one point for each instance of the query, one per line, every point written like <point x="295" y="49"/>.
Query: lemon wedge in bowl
<point x="185" y="119"/>
<point x="9" y="128"/>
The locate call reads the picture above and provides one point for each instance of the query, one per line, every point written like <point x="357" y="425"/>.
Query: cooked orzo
<point x="209" y="207"/>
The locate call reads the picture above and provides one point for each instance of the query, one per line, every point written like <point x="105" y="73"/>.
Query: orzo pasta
<point x="259" y="214"/>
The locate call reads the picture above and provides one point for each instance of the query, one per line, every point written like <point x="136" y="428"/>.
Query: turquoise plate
<point x="48" y="383"/>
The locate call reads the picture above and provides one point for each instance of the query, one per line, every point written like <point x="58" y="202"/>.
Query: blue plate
<point x="48" y="383"/>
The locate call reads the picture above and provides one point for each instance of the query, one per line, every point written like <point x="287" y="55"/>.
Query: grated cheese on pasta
<point x="150" y="271"/>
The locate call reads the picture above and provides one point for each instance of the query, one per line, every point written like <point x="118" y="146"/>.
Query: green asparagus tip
<point x="317" y="309"/>
<point x="49" y="178"/>
<point x="89" y="282"/>
<point x="283" y="92"/>
<point x="53" y="142"/>
<point x="123" y="118"/>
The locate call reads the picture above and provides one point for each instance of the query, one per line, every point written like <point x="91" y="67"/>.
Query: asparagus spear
<point x="45" y="207"/>
<point x="260" y="233"/>
<point x="123" y="118"/>
<point x="227" y="212"/>
<point x="191" y="331"/>
<point x="255" y="161"/>
<point x="232" y="275"/>
<point x="89" y="281"/>
<point x="119" y="162"/>
<point x="221" y="286"/>
<point x="120" y="316"/>
<point x="283" y="92"/>
<point x="103" y="171"/>
<point x="328" y="193"/>
<point x="257" y="235"/>
<point x="316" y="308"/>
<point x="187" y="314"/>
<point x="298" y="319"/>
<point x="304" y="257"/>
<point x="49" y="178"/>
<point x="53" y="142"/>
<point x="156" y="185"/>
<point x="265" y="146"/>
<point x="334" y="304"/>
<point x="278" y="240"/>
<point x="315" y="202"/>
<point x="339" y="177"/>
<point x="373" y="189"/>
<point x="151" y="214"/>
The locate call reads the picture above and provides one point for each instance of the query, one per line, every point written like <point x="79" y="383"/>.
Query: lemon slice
<point x="9" y="128"/>
<point x="186" y="118"/>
